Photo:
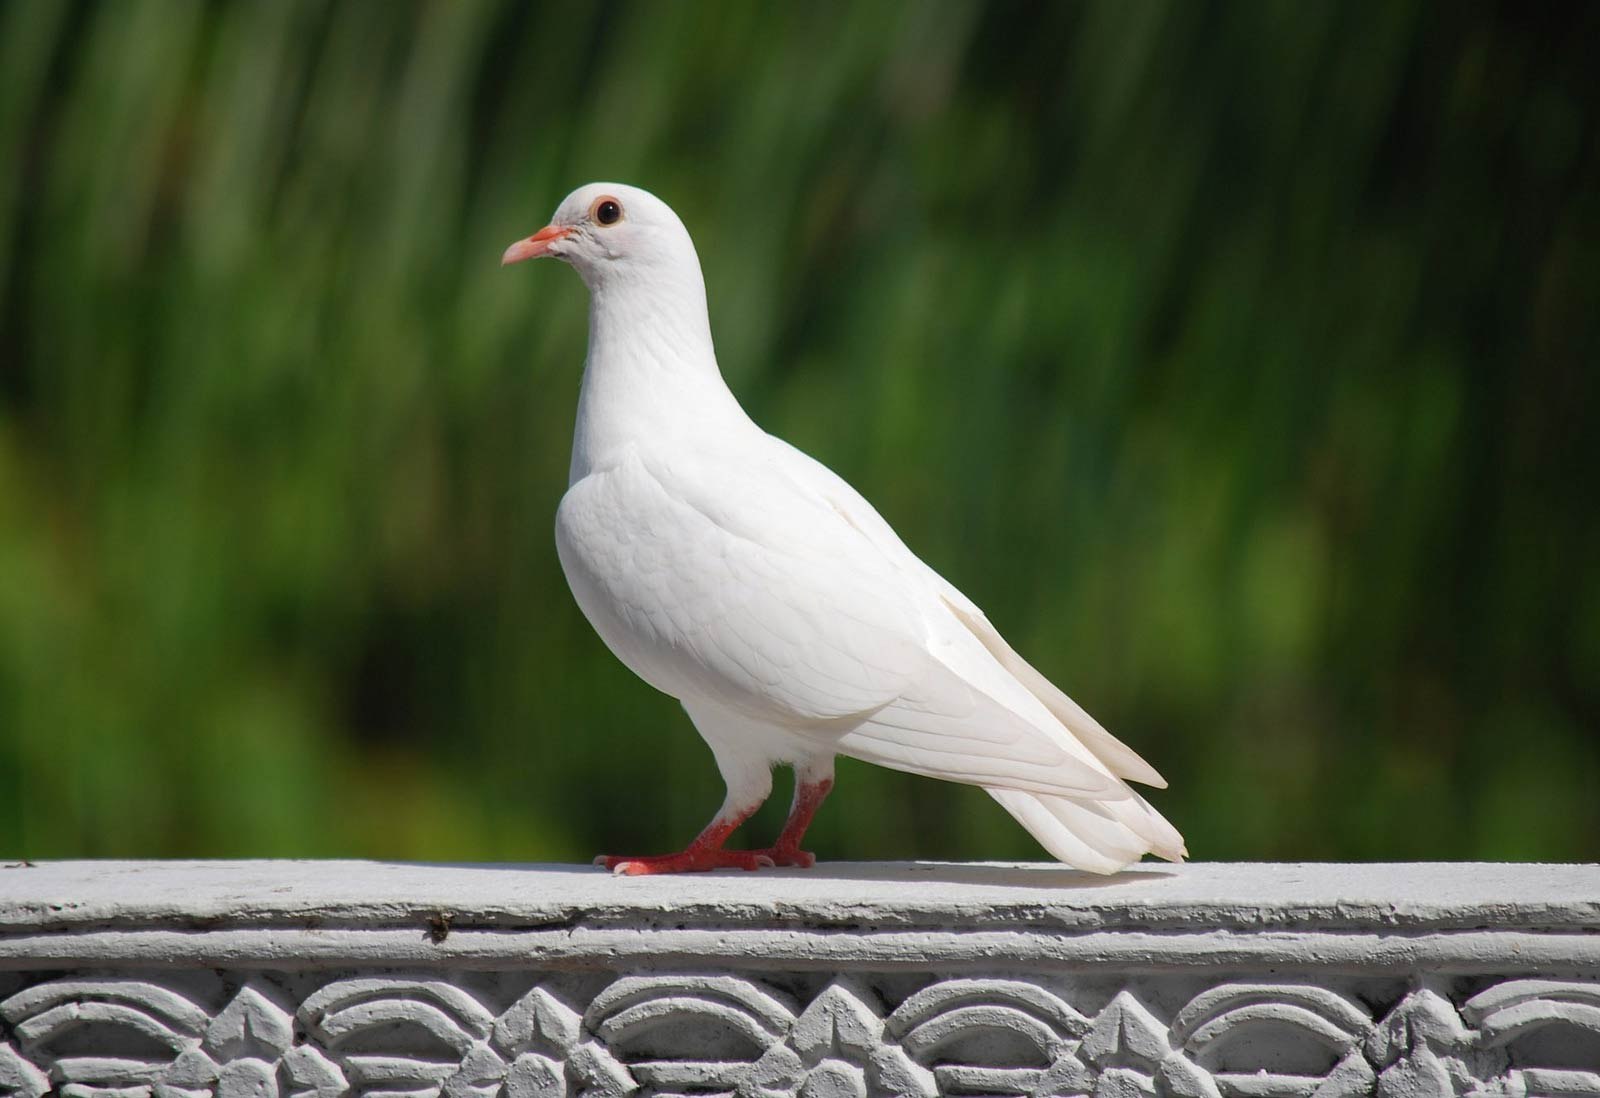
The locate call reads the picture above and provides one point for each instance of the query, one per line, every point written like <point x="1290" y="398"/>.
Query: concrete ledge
<point x="188" y="979"/>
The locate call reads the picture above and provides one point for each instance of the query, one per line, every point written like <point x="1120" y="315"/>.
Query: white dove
<point x="735" y="573"/>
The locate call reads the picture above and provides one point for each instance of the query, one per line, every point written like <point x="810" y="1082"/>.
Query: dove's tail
<point x="1100" y="836"/>
<point x="1093" y="833"/>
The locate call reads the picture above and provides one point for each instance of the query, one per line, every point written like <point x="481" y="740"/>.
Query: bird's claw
<point x="687" y="861"/>
<point x="790" y="856"/>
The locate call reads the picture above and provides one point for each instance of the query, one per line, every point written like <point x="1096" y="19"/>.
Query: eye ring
<point x="605" y="211"/>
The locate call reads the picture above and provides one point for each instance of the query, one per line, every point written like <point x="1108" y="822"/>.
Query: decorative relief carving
<point x="1545" y="1032"/>
<point x="838" y="1046"/>
<point x="858" y="1034"/>
<point x="992" y="1037"/>
<point x="1291" y="1038"/>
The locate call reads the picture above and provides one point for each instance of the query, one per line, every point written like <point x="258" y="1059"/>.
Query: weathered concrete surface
<point x="180" y="979"/>
<point x="1247" y="895"/>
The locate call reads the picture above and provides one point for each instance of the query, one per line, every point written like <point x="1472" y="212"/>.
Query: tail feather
<point x="1118" y="757"/>
<point x="1059" y="840"/>
<point x="1140" y="817"/>
<point x="1099" y="836"/>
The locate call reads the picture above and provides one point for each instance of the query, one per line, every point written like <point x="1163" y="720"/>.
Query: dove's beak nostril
<point x="535" y="246"/>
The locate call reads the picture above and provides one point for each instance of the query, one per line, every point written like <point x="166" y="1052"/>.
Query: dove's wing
<point x="1119" y="758"/>
<point x="1102" y="833"/>
<point x="735" y="580"/>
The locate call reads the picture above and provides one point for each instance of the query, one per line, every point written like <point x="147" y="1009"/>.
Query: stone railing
<point x="255" y="979"/>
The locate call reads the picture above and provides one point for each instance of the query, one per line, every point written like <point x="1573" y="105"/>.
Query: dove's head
<point x="612" y="232"/>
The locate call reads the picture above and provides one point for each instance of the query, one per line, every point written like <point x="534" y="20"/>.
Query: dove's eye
<point x="606" y="211"/>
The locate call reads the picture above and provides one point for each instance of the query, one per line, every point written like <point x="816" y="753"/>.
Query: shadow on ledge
<point x="984" y="874"/>
<point x="1042" y="875"/>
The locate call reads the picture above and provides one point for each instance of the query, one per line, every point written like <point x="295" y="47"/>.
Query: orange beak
<point x="535" y="246"/>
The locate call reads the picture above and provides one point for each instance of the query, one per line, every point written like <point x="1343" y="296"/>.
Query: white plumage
<point x="737" y="574"/>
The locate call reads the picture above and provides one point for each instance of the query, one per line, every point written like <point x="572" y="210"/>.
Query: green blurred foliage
<point x="1240" y="359"/>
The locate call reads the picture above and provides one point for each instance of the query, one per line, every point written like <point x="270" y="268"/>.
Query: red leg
<point x="704" y="853"/>
<point x="749" y="781"/>
<point x="808" y="797"/>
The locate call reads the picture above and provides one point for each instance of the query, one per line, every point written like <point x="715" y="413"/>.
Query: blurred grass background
<point x="1240" y="359"/>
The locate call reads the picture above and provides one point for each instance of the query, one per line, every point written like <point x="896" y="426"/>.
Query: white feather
<point x="734" y="572"/>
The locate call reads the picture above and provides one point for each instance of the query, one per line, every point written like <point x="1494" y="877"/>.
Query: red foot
<point x="789" y="855"/>
<point x="686" y="861"/>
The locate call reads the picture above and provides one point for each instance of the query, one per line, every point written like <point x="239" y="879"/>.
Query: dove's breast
<point x="684" y="591"/>
<point x="612" y="535"/>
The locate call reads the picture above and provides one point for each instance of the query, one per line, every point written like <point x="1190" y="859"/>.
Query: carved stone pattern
<point x="471" y="1035"/>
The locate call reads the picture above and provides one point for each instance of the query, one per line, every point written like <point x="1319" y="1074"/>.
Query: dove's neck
<point x="651" y="373"/>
